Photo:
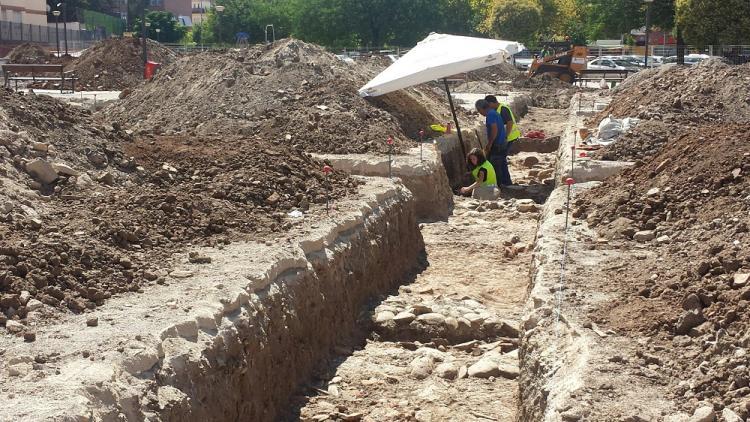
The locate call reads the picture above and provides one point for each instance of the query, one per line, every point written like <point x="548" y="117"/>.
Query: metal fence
<point x="737" y="54"/>
<point x="78" y="39"/>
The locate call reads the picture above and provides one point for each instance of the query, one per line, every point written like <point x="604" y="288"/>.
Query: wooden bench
<point x="38" y="73"/>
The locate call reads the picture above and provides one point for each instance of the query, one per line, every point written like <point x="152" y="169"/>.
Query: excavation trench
<point x="350" y="308"/>
<point x="444" y="345"/>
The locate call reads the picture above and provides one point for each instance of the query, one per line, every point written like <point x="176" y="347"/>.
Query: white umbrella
<point x="439" y="56"/>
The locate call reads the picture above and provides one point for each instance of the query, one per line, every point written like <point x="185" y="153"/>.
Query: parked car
<point x="690" y="59"/>
<point x="628" y="64"/>
<point x="523" y="63"/>
<point x="653" y="61"/>
<point x="604" y="64"/>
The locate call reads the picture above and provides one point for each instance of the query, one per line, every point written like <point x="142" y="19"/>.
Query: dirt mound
<point x="28" y="53"/>
<point x="112" y="219"/>
<point x="501" y="72"/>
<point x="489" y="80"/>
<point x="34" y="126"/>
<point x="690" y="205"/>
<point x="546" y="91"/>
<point x="290" y="91"/>
<point x="642" y="142"/>
<point x="117" y="64"/>
<point x="673" y="100"/>
<point x="709" y="91"/>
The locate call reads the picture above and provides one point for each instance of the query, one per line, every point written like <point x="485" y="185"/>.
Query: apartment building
<point x="182" y="9"/>
<point x="200" y="9"/>
<point x="24" y="11"/>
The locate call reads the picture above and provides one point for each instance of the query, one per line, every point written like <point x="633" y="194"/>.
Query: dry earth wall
<point x="231" y="340"/>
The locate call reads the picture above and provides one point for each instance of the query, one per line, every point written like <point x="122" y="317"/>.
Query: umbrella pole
<point x="455" y="118"/>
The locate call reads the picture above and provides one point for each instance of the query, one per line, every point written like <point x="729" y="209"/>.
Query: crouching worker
<point x="485" y="180"/>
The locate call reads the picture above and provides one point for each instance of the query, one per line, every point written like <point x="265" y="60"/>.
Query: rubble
<point x="289" y="92"/>
<point x="673" y="102"/>
<point x="73" y="243"/>
<point x="30" y="53"/>
<point x="687" y="195"/>
<point x="116" y="64"/>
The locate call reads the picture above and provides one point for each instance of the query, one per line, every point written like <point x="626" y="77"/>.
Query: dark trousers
<point x="499" y="160"/>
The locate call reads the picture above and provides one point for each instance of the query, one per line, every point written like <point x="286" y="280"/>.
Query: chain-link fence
<point x="78" y="39"/>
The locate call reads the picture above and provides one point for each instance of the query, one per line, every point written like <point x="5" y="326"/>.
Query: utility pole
<point x="65" y="23"/>
<point x="56" y="14"/>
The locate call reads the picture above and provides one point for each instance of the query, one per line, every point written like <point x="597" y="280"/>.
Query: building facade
<point x="32" y="12"/>
<point x="182" y="9"/>
<point x="200" y="10"/>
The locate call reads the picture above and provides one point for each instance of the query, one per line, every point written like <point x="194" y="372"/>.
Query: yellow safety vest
<point x="491" y="179"/>
<point x="516" y="132"/>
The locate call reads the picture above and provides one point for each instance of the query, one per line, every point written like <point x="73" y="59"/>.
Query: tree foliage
<point x="251" y="17"/>
<point x="341" y="23"/>
<point x="612" y="19"/>
<point x="518" y="20"/>
<point x="171" y="30"/>
<point x="705" y="22"/>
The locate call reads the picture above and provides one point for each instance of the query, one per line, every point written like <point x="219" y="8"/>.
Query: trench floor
<point x="478" y="271"/>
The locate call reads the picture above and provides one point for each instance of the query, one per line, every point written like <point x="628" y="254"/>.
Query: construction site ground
<point x="180" y="253"/>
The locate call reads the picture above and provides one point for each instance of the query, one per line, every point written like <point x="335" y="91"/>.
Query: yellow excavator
<point x="565" y="66"/>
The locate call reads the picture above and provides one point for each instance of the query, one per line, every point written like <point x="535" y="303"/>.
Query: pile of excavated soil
<point x="501" y="72"/>
<point x="673" y="101"/>
<point x="117" y="64"/>
<point x="546" y="91"/>
<point x="290" y="91"/>
<point x="29" y="53"/>
<point x="642" y="142"/>
<point x="33" y="126"/>
<point x="707" y="92"/>
<point x="491" y="79"/>
<point x="112" y="220"/>
<point x="689" y="205"/>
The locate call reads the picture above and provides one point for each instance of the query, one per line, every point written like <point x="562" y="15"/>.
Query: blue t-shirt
<point x="494" y="117"/>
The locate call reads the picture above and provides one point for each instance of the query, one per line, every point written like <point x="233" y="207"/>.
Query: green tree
<point x="613" y="18"/>
<point x="705" y="22"/>
<point x="324" y="22"/>
<point x="518" y="20"/>
<point x="251" y="17"/>
<point x="663" y="14"/>
<point x="171" y="30"/>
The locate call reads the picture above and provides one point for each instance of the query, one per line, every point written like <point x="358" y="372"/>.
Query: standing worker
<point x="509" y="119"/>
<point x="485" y="180"/>
<point x="497" y="145"/>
